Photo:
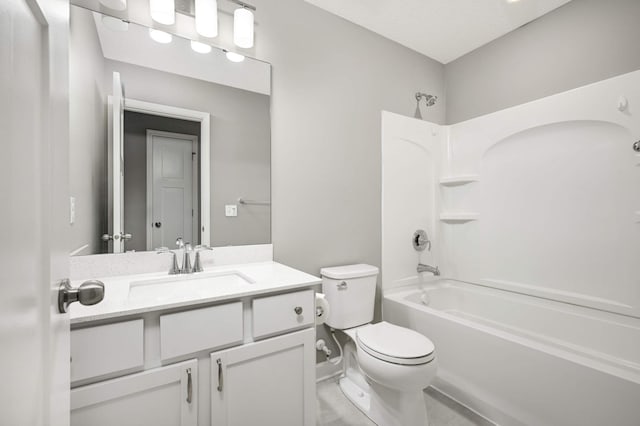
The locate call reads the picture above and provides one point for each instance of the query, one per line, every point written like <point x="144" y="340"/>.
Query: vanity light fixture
<point x="114" y="4"/>
<point x="163" y="11"/>
<point x="243" y="26"/>
<point x="160" y="36"/>
<point x="234" y="57"/>
<point x="207" y="18"/>
<point x="200" y="47"/>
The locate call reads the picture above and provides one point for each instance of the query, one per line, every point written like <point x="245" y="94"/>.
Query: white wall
<point x="582" y="42"/>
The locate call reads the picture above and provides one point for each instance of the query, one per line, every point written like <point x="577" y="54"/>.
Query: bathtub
<point x="522" y="360"/>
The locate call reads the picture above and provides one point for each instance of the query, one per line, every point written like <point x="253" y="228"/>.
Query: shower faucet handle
<point x="421" y="240"/>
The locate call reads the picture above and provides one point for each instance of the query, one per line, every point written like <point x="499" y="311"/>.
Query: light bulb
<point x="207" y="18"/>
<point x="200" y="47"/>
<point x="163" y="11"/>
<point x="160" y="36"/>
<point x="243" y="28"/>
<point x="235" y="57"/>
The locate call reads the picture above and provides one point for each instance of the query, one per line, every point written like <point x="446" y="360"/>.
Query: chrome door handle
<point x="89" y="293"/>
<point x="189" y="386"/>
<point x="219" y="362"/>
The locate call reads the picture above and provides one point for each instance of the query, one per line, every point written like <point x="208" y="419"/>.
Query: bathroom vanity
<point x="232" y="345"/>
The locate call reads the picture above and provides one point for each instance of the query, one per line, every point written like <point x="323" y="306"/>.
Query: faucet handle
<point x="175" y="269"/>
<point x="180" y="242"/>
<point x="197" y="266"/>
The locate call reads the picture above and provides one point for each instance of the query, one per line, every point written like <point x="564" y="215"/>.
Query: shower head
<point x="430" y="100"/>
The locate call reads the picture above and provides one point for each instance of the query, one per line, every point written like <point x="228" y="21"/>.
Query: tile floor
<point x="334" y="409"/>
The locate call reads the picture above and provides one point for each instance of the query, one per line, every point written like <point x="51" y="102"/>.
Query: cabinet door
<point x="271" y="382"/>
<point x="162" y="396"/>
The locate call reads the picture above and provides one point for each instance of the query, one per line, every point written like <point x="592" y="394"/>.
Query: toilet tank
<point x="351" y="292"/>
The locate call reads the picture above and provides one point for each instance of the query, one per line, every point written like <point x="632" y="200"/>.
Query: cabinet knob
<point x="298" y="310"/>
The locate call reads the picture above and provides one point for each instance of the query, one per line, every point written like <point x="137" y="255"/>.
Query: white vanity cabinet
<point x="240" y="361"/>
<point x="271" y="382"/>
<point x="161" y="396"/>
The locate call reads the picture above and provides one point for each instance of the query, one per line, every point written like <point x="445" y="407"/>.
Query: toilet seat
<point x="394" y="344"/>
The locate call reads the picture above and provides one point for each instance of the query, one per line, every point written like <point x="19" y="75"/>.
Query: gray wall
<point x="331" y="79"/>
<point x="240" y="145"/>
<point x="87" y="147"/>
<point x="580" y="43"/>
<point x="135" y="169"/>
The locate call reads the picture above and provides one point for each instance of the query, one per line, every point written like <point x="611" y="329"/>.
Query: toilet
<point x="385" y="367"/>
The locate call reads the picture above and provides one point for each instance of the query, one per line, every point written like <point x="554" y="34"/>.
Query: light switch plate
<point x="231" y="210"/>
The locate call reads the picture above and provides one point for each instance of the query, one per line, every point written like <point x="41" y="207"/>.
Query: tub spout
<point x="428" y="268"/>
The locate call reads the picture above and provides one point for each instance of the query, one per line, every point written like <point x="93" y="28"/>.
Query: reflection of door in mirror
<point x="172" y="194"/>
<point x="162" y="185"/>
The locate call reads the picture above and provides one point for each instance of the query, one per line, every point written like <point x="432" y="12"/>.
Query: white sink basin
<point x="187" y="287"/>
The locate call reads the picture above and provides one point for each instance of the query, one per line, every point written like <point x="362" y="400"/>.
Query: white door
<point x="34" y="218"/>
<point x="116" y="169"/>
<point x="171" y="195"/>
<point x="166" y="396"/>
<point x="271" y="382"/>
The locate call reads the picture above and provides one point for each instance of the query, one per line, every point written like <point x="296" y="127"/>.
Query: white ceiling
<point x="441" y="29"/>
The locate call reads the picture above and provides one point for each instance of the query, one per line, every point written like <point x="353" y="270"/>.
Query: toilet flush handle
<point x="342" y="285"/>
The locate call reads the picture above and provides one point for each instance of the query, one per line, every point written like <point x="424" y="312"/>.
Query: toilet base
<point x="384" y="406"/>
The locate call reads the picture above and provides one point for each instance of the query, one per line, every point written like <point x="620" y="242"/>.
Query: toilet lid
<point x="395" y="344"/>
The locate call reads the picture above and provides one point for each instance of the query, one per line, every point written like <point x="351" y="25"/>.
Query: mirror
<point x="168" y="140"/>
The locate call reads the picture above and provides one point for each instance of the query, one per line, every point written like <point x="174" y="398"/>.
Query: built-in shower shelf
<point x="458" y="217"/>
<point x="458" y="180"/>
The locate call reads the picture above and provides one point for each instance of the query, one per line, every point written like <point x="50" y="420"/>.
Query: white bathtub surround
<point x="538" y="204"/>
<point x="411" y="161"/>
<point x="519" y="360"/>
<point x="109" y="265"/>
<point x="540" y="198"/>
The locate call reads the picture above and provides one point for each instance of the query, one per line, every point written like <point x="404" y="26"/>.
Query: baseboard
<point x="325" y="370"/>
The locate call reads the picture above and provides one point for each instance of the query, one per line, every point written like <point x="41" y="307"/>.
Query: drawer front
<point x="199" y="329"/>
<point x="276" y="314"/>
<point x="105" y="349"/>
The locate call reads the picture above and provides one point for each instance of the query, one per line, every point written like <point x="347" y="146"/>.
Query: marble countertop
<point x="263" y="277"/>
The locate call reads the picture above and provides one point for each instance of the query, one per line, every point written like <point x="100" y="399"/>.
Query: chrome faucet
<point x="186" y="261"/>
<point x="428" y="268"/>
<point x="197" y="265"/>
